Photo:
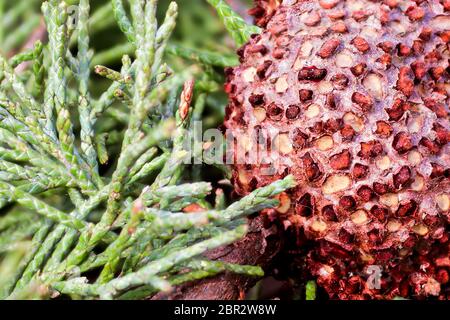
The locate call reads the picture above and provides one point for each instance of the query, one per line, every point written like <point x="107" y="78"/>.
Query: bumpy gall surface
<point x="358" y="91"/>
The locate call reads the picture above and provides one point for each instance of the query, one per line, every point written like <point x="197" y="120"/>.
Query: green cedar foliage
<point x="92" y="177"/>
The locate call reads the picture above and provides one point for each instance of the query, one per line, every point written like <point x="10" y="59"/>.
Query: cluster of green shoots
<point x="68" y="227"/>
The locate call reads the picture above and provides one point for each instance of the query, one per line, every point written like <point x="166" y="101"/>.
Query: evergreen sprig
<point x="88" y="195"/>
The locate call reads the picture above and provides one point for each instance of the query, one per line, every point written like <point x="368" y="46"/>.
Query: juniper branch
<point x="122" y="20"/>
<point x="142" y="276"/>
<point x="87" y="125"/>
<point x="204" y="57"/>
<point x="41" y="151"/>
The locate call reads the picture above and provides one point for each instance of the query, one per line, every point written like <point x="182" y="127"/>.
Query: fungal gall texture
<point x="379" y="178"/>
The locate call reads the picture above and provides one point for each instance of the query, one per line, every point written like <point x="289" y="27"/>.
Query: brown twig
<point x="259" y="247"/>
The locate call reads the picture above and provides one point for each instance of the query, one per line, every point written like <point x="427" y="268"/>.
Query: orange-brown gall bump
<point x="380" y="188"/>
<point x="445" y="36"/>
<point x="115" y="195"/>
<point x="341" y="161"/>
<point x="256" y="100"/>
<point x="305" y="205"/>
<point x="432" y="146"/>
<point x="442" y="276"/>
<point x="384" y="16"/>
<point x="437" y="170"/>
<point x="433" y="57"/>
<point x="339" y="81"/>
<point x="397" y="110"/>
<point x="402" y="142"/>
<point x="375" y="237"/>
<point x="347" y="132"/>
<point x="363" y="101"/>
<point x="360" y="171"/>
<point x="379" y="213"/>
<point x="386" y="46"/>
<point x="384" y="130"/>
<point x="361" y="44"/>
<point x="419" y="69"/>
<point x="415" y="13"/>
<point x="279" y="53"/>
<point x="436" y="72"/>
<point x="437" y="108"/>
<point x="402" y="177"/>
<point x="312" y="19"/>
<point x="332" y="125"/>
<point x="339" y="27"/>
<point x="292" y="112"/>
<point x="358" y="69"/>
<point x="346" y="237"/>
<point x="442" y="134"/>
<point x="138" y="207"/>
<point x="328" y="48"/>
<point x="425" y="34"/>
<point x="316" y="128"/>
<point x="403" y="50"/>
<point x="329" y="4"/>
<point x="274" y="112"/>
<point x="259" y="48"/>
<point x="361" y="15"/>
<point x="445" y="4"/>
<point x="365" y="193"/>
<point x="370" y="149"/>
<point x="405" y="83"/>
<point x="299" y="138"/>
<point x="347" y="203"/>
<point x="263" y="11"/>
<point x="418" y="47"/>
<point x="385" y="60"/>
<point x="305" y="95"/>
<point x="262" y="70"/>
<point x="330" y="101"/>
<point x="336" y="14"/>
<point x="312" y="170"/>
<point x="329" y="214"/>
<point x="311" y="74"/>
<point x="407" y="208"/>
